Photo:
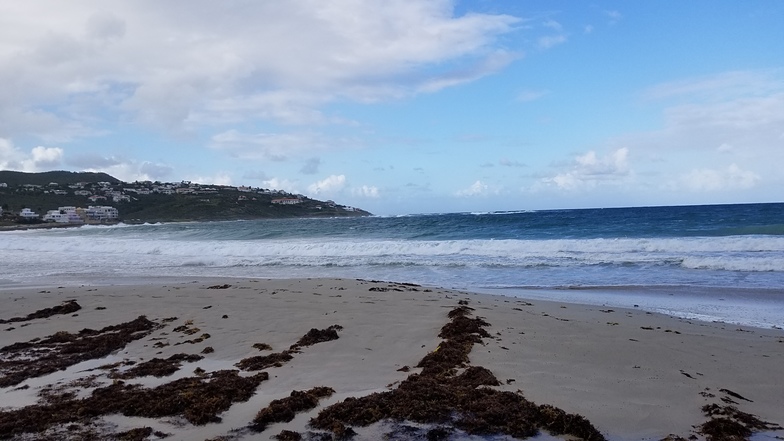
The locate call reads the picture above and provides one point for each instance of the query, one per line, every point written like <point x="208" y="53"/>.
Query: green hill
<point x="155" y="201"/>
<point x="15" y="178"/>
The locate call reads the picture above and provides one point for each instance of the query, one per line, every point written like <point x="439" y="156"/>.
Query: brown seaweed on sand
<point x="440" y="395"/>
<point x="727" y="423"/>
<point x="67" y="307"/>
<point x="284" y="409"/>
<point x="276" y="359"/>
<point x="157" y="367"/>
<point x="24" y="360"/>
<point x="197" y="399"/>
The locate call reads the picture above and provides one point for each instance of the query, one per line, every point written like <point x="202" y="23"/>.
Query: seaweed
<point x="24" y="360"/>
<point x="315" y="336"/>
<point x="284" y="409"/>
<point x="276" y="359"/>
<point x="197" y="399"/>
<point x="157" y="367"/>
<point x="729" y="423"/>
<point x="68" y="307"/>
<point x="440" y="395"/>
<point x="260" y="362"/>
<point x="288" y="435"/>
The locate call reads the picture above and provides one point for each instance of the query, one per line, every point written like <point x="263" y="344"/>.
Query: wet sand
<point x="630" y="374"/>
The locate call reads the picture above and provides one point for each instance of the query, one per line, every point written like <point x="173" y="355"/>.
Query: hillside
<point x="156" y="201"/>
<point x="15" y="178"/>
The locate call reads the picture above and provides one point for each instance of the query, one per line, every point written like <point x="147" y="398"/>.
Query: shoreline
<point x="631" y="373"/>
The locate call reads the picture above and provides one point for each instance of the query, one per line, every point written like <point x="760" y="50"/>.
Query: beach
<point x="631" y="374"/>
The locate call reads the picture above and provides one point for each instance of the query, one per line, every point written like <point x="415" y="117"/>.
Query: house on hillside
<point x="101" y="213"/>
<point x="28" y="214"/>
<point x="286" y="201"/>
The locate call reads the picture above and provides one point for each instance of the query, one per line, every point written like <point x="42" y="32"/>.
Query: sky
<point x="405" y="106"/>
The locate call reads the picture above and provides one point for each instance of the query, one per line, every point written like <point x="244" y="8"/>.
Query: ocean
<point x="716" y="262"/>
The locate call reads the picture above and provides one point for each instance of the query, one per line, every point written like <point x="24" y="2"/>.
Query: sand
<point x="633" y="375"/>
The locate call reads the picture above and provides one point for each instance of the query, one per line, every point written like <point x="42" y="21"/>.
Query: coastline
<point x="632" y="374"/>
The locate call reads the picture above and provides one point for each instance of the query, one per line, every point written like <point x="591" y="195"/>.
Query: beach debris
<point x="729" y="423"/>
<point x="208" y="350"/>
<point x="276" y="359"/>
<point x="198" y="400"/>
<point x="24" y="360"/>
<point x="285" y="409"/>
<point x="735" y="395"/>
<point x="288" y="435"/>
<point x="157" y="367"/>
<point x="454" y="400"/>
<point x="224" y="286"/>
<point x="260" y="362"/>
<point x="67" y="307"/>
<point x="686" y="374"/>
<point x="315" y="336"/>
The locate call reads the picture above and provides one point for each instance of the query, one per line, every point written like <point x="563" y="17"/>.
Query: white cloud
<point x="710" y="180"/>
<point x="744" y="110"/>
<point x="724" y="148"/>
<point x="478" y="188"/>
<point x="276" y="146"/>
<point x="281" y="184"/>
<point x="365" y="191"/>
<point x="552" y="24"/>
<point x="613" y="15"/>
<point x="46" y="157"/>
<point x="589" y="170"/>
<point x="505" y="162"/>
<point x="65" y="68"/>
<point x="531" y="95"/>
<point x="549" y="41"/>
<point x="39" y="159"/>
<point x="328" y="186"/>
<point x="220" y="178"/>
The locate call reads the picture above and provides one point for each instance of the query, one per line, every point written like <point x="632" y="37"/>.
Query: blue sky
<point x="401" y="106"/>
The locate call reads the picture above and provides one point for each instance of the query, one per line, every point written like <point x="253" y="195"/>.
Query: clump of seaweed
<point x="315" y="336"/>
<point x="288" y="435"/>
<point x="276" y="359"/>
<point x="68" y="307"/>
<point x="727" y="423"/>
<point x="197" y="399"/>
<point x="284" y="409"/>
<point x="35" y="358"/>
<point x="259" y="362"/>
<point x="439" y="395"/>
<point x="157" y="367"/>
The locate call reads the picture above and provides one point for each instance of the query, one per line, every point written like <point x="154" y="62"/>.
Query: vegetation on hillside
<point x="155" y="201"/>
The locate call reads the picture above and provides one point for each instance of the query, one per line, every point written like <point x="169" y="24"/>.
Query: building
<point x="286" y="201"/>
<point x="28" y="214"/>
<point x="101" y="213"/>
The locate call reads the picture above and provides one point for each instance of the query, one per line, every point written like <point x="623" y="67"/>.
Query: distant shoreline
<point x="49" y="225"/>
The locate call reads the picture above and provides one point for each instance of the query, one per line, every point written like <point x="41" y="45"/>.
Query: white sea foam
<point x="741" y="253"/>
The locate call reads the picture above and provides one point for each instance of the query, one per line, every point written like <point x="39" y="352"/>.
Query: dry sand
<point x="633" y="375"/>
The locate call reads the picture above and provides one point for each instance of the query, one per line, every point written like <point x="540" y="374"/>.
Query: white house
<point x="55" y="216"/>
<point x="101" y="212"/>
<point x="286" y="201"/>
<point x="28" y="214"/>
